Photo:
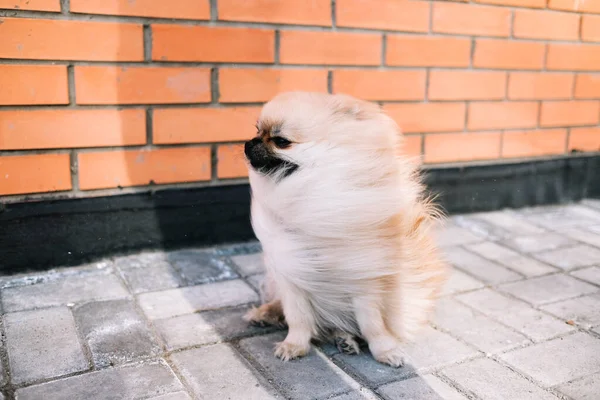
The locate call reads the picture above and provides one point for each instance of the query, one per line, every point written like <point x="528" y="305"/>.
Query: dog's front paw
<point x="388" y="352"/>
<point x="394" y="357"/>
<point x="289" y="351"/>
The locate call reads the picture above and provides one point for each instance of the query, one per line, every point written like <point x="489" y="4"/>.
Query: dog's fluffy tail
<point x="423" y="271"/>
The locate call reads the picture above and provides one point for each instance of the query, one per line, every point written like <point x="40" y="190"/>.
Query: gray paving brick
<point x="527" y="266"/>
<point x="172" y="396"/>
<point x="256" y="281"/>
<point x="219" y="372"/>
<point x="480" y="227"/>
<point x="548" y="289"/>
<point x="250" y="264"/>
<point x="327" y="347"/>
<point x="484" y="270"/>
<point x="95" y="268"/>
<point x="489" y="380"/>
<point x="460" y="282"/>
<point x="557" y="217"/>
<point x="538" y="243"/>
<point x="368" y="370"/>
<point x="141" y="260"/>
<point x="511" y="259"/>
<point x="482" y="332"/>
<point x="491" y="250"/>
<point x="198" y="266"/>
<point x="583" y="235"/>
<point x="115" y="332"/>
<point x="173" y="302"/>
<point x="42" y="344"/>
<point x="559" y="360"/>
<point x="354" y="395"/>
<point x="152" y="278"/>
<point x="510" y="223"/>
<point x="427" y="387"/>
<point x="591" y="275"/>
<point x="452" y="235"/>
<point x="571" y="257"/>
<point x="3" y="377"/>
<point x="309" y="377"/>
<point x="586" y="388"/>
<point x="138" y="381"/>
<point x="592" y="203"/>
<point x="516" y="314"/>
<point x="205" y="327"/>
<point x="71" y="289"/>
<point x="585" y="311"/>
<point x="435" y="349"/>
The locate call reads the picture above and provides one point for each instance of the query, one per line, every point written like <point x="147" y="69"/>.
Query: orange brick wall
<point x="115" y="96"/>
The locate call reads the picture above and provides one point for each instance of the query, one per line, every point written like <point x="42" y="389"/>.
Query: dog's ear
<point x="357" y="109"/>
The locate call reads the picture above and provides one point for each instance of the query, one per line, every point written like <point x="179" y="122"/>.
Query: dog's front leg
<point x="384" y="346"/>
<point x="301" y="323"/>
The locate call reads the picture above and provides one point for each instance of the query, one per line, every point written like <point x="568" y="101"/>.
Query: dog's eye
<point x="280" y="142"/>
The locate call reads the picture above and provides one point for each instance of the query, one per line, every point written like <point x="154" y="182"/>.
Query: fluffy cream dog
<point x="344" y="226"/>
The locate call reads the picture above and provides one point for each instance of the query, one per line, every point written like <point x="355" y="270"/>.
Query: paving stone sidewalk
<point x="519" y="319"/>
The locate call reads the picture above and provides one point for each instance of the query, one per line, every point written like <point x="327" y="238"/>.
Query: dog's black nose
<point x="250" y="145"/>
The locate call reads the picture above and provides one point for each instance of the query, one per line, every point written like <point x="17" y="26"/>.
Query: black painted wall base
<point x="46" y="234"/>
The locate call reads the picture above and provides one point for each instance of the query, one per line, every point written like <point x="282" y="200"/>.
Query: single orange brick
<point x="575" y="57"/>
<point x="239" y="85"/>
<point x="110" y="169"/>
<point x="539" y="85"/>
<point x="428" y="51"/>
<point x="534" y="143"/>
<point x="139" y="85"/>
<point x="504" y="54"/>
<point x="396" y="15"/>
<point x="315" y="12"/>
<point x="517" y="3"/>
<point x="428" y="117"/>
<point x="67" y="128"/>
<point x="587" y="86"/>
<point x="466" y="85"/>
<point x="33" y="84"/>
<point x="34" y="173"/>
<point x="453" y="147"/>
<point x="412" y="147"/>
<point x="330" y="48"/>
<point x="590" y="6"/>
<point x="502" y="115"/>
<point x="584" y="139"/>
<point x="212" y="44"/>
<point x="570" y="113"/>
<point x="590" y="28"/>
<point x="204" y="125"/>
<point x="42" y="39"/>
<point x="184" y="9"/>
<point x="538" y="24"/>
<point x="380" y="85"/>
<point x="471" y="20"/>
<point x="31" y="5"/>
<point x="231" y="162"/>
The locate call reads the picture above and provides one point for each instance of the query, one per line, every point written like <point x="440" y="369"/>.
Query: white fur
<point x="326" y="230"/>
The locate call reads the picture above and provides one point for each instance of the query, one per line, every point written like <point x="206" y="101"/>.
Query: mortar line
<point x="214" y="10"/>
<point x="147" y="33"/>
